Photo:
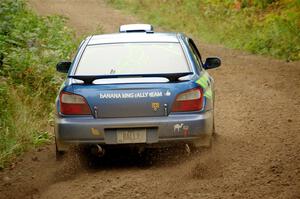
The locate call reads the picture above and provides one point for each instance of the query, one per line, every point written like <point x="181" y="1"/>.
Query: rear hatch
<point x="135" y="100"/>
<point x="123" y="68"/>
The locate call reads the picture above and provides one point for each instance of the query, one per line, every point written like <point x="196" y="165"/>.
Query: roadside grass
<point x="268" y="27"/>
<point x="24" y="128"/>
<point x="30" y="47"/>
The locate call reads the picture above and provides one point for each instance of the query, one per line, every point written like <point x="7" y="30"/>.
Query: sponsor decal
<point x="178" y="127"/>
<point x="96" y="132"/>
<point x="168" y="93"/>
<point x="155" y="106"/>
<point x="131" y="95"/>
<point x="185" y="130"/>
<point x="204" y="82"/>
<point x="181" y="129"/>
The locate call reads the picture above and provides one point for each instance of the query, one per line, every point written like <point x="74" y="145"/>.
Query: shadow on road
<point x="118" y="158"/>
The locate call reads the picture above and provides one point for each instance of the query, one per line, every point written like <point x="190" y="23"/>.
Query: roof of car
<point x="133" y="37"/>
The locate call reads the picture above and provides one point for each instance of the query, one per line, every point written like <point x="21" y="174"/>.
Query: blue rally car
<point x="136" y="88"/>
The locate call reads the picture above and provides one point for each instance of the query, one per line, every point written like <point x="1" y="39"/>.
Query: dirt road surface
<point x="256" y="153"/>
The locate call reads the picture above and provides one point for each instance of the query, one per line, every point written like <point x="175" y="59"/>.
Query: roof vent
<point x="136" y="28"/>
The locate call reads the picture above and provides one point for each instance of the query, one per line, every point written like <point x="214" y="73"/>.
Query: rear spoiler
<point x="88" y="79"/>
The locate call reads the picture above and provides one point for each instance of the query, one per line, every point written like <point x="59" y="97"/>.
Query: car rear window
<point x="132" y="58"/>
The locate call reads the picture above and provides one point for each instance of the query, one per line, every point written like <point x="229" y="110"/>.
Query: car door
<point x="205" y="80"/>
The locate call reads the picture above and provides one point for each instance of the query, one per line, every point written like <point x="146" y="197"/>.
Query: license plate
<point x="126" y="136"/>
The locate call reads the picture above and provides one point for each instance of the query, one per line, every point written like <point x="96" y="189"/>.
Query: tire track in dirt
<point x="255" y="155"/>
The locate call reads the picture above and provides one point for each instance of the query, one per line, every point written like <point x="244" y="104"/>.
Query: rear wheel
<point x="214" y="129"/>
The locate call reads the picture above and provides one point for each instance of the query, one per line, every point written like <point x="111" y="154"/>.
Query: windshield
<point x="132" y="58"/>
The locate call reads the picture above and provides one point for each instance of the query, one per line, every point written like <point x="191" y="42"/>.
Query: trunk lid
<point x="128" y="100"/>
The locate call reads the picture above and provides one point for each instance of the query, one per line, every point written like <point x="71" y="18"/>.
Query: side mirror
<point x="212" y="62"/>
<point x="63" y="66"/>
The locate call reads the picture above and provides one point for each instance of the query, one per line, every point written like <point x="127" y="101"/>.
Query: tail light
<point x="72" y="104"/>
<point x="190" y="100"/>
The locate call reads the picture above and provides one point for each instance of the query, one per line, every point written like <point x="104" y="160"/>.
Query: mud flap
<point x="203" y="141"/>
<point x="58" y="154"/>
<point x="60" y="147"/>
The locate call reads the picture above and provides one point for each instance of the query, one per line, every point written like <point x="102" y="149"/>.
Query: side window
<point x="196" y="53"/>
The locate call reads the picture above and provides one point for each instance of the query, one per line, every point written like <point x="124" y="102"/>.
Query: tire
<point x="59" y="155"/>
<point x="196" y="148"/>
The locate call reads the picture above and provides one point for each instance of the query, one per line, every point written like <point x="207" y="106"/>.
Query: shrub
<point x="30" y="46"/>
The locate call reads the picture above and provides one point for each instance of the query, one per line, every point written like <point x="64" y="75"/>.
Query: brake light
<point x="72" y="104"/>
<point x="190" y="100"/>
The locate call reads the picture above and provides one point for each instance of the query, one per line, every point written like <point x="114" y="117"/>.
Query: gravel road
<point x="256" y="153"/>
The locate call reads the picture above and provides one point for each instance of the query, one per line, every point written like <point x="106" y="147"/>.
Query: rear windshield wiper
<point x="88" y="79"/>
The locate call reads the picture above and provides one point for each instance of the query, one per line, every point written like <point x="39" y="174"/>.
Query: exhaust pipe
<point x="97" y="150"/>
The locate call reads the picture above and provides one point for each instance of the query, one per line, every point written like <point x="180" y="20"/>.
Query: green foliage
<point x="30" y="47"/>
<point x="269" y="27"/>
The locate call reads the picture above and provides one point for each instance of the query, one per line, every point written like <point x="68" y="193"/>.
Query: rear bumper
<point x="173" y="128"/>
